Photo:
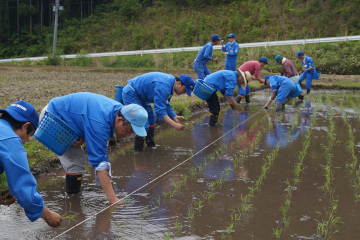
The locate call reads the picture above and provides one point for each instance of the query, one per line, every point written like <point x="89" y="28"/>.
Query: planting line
<point x="160" y="176"/>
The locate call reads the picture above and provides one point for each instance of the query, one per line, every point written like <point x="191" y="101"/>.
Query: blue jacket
<point x="22" y="184"/>
<point x="276" y="81"/>
<point x="308" y="62"/>
<point x="157" y="88"/>
<point x="232" y="50"/>
<point x="205" y="53"/>
<point x="92" y="116"/>
<point x="224" y="81"/>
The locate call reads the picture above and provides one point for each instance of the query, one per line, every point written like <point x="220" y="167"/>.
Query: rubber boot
<point x="238" y="99"/>
<point x="150" y="140"/>
<point x="139" y="143"/>
<point x="73" y="183"/>
<point x="301" y="97"/>
<point x="279" y="106"/>
<point x="213" y="120"/>
<point x="247" y="98"/>
<point x="307" y="91"/>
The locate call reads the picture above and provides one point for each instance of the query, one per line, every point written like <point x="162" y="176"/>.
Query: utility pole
<point x="55" y="25"/>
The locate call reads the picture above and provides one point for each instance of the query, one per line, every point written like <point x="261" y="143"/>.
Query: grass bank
<point x="39" y="84"/>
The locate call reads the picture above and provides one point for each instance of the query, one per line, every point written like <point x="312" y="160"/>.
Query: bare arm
<point x="107" y="187"/>
<point x="259" y="79"/>
<point x="232" y="102"/>
<point x="273" y="96"/>
<point x="173" y="124"/>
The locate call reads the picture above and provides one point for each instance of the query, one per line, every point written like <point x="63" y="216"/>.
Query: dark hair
<point x="178" y="79"/>
<point x="125" y="121"/>
<point x="16" y="124"/>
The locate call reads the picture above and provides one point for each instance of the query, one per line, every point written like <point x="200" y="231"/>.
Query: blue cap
<point x="137" y="116"/>
<point x="231" y="35"/>
<point x="266" y="78"/>
<point x="299" y="54"/>
<point x="22" y="111"/>
<point x="188" y="82"/>
<point x="263" y="59"/>
<point x="215" y="37"/>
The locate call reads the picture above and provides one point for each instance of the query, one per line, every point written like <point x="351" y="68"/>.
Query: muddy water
<point x="225" y="170"/>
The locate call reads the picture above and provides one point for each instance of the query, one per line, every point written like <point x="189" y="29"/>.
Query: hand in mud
<point x="215" y="60"/>
<point x="178" y="119"/>
<point x="179" y="127"/>
<point x="53" y="219"/>
<point x="266" y="107"/>
<point x="6" y="198"/>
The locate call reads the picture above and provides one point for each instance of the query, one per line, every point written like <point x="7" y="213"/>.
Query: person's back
<point x="205" y="53"/>
<point x="146" y="84"/>
<point x="252" y="66"/>
<point x="289" y="68"/>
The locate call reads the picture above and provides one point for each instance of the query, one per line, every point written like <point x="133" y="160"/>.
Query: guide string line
<point x="158" y="177"/>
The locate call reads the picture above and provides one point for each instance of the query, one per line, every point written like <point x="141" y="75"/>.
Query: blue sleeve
<point x="22" y="184"/>
<point x="235" y="50"/>
<point x="230" y="84"/>
<point x="162" y="92"/>
<point x="170" y="111"/>
<point x="274" y="84"/>
<point x="96" y="137"/>
<point x="208" y="52"/>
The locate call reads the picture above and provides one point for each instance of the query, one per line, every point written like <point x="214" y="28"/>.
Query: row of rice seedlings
<point x="245" y="206"/>
<point x="327" y="226"/>
<point x="352" y="165"/>
<point x="217" y="184"/>
<point x="298" y="169"/>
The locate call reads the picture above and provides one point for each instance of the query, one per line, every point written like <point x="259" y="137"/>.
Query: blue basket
<point x="316" y="75"/>
<point x="118" y="94"/>
<point x="202" y="90"/>
<point x="297" y="91"/>
<point x="55" y="134"/>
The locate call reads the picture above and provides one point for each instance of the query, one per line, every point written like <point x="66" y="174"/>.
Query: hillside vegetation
<point x="122" y="25"/>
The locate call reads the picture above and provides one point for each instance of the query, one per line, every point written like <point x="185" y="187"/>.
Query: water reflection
<point x="203" y="135"/>
<point x="279" y="135"/>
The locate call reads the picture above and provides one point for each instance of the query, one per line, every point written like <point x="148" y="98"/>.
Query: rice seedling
<point x="191" y="214"/>
<point x="178" y="224"/>
<point x="229" y="228"/>
<point x="277" y="232"/>
<point x="70" y="217"/>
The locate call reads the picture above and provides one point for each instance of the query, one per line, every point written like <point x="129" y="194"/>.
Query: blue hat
<point x="277" y="59"/>
<point x="188" y="82"/>
<point x="137" y="116"/>
<point x="299" y="54"/>
<point x="231" y="35"/>
<point x="215" y="37"/>
<point x="22" y="111"/>
<point x="263" y="59"/>
<point x="266" y="78"/>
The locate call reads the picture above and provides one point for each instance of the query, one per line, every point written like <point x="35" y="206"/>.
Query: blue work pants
<point x="201" y="70"/>
<point x="308" y="76"/>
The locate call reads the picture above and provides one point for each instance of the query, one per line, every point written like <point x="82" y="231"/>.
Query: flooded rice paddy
<point x="258" y="175"/>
